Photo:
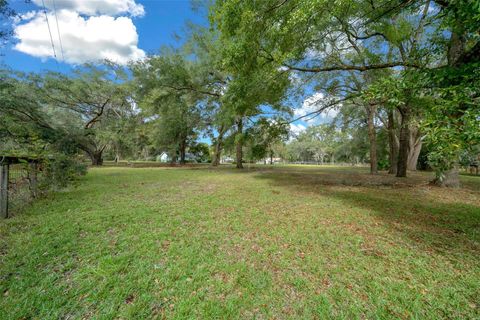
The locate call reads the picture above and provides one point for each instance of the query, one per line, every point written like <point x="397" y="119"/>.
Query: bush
<point x="60" y="171"/>
<point x="383" y="164"/>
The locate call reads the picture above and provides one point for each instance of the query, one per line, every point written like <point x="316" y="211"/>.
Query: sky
<point x="118" y="30"/>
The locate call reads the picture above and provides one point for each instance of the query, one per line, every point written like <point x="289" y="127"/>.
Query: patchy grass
<point x="284" y="243"/>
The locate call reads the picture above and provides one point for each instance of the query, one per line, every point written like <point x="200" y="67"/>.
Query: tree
<point x="353" y="36"/>
<point x="322" y="143"/>
<point x="264" y="135"/>
<point x="246" y="95"/>
<point x="6" y="13"/>
<point x="213" y="81"/>
<point x="24" y="126"/>
<point x="201" y="152"/>
<point x="452" y="121"/>
<point x="167" y="91"/>
<point x="87" y="104"/>
<point x="27" y="130"/>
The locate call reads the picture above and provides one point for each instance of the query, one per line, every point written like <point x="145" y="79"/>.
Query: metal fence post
<point x="4" y="190"/>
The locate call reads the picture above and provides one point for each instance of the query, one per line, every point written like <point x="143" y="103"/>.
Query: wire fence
<point x="23" y="179"/>
<point x="20" y="191"/>
<point x="18" y="185"/>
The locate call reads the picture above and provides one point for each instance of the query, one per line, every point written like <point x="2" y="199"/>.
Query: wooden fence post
<point x="4" y="190"/>
<point x="32" y="179"/>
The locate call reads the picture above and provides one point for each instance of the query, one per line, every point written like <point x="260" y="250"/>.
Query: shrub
<point x="60" y="171"/>
<point x="383" y="164"/>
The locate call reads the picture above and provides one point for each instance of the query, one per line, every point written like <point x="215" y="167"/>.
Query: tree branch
<point x="97" y="116"/>
<point x="275" y="7"/>
<point x="353" y="67"/>
<point x="368" y="36"/>
<point x="192" y="89"/>
<point x="324" y="107"/>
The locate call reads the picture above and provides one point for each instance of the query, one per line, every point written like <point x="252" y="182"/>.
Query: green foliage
<point x="167" y="91"/>
<point x="324" y="143"/>
<point x="60" y="171"/>
<point x="263" y="136"/>
<point x="257" y="56"/>
<point x="383" y="164"/>
<point x="24" y="128"/>
<point x="201" y="152"/>
<point x="453" y="120"/>
<point x="92" y="106"/>
<point x="6" y="14"/>
<point x="341" y="38"/>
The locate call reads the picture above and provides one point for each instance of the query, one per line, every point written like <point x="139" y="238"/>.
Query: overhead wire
<point x="50" y="32"/>
<point x="58" y="30"/>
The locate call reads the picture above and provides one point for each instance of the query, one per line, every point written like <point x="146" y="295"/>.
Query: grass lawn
<point x="284" y="243"/>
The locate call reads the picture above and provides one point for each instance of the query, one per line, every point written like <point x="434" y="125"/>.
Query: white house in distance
<point x="163" y="157"/>
<point x="227" y="159"/>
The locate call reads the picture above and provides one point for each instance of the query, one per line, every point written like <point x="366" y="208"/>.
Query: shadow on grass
<point x="410" y="207"/>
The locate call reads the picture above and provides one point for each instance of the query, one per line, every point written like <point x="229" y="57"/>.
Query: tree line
<point x="403" y="76"/>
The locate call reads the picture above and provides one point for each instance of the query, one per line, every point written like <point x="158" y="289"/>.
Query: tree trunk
<point x="415" y="148"/>
<point x="217" y="153"/>
<point x="239" y="146"/>
<point x="96" y="158"/>
<point x="413" y="156"/>
<point x="117" y="154"/>
<point x="183" y="146"/>
<point x="271" y="156"/>
<point x="372" y="137"/>
<point x="393" y="143"/>
<point x="143" y="153"/>
<point x="404" y="143"/>
<point x="174" y="159"/>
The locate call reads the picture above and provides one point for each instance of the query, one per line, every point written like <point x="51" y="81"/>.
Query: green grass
<point x="289" y="243"/>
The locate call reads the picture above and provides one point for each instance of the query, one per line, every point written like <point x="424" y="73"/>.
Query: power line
<point x="49" y="31"/>
<point x="58" y="30"/>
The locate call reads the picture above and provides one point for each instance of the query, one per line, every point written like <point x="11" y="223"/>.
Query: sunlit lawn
<point x="288" y="243"/>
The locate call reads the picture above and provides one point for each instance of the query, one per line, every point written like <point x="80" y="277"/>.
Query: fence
<point x="18" y="183"/>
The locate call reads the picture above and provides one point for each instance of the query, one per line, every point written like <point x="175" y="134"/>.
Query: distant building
<point x="275" y="160"/>
<point x="227" y="159"/>
<point x="163" y="157"/>
<point x="267" y="161"/>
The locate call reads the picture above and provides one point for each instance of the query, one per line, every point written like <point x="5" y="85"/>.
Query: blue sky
<point x="156" y="27"/>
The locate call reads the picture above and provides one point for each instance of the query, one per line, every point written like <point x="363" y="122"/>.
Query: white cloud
<point x="310" y="104"/>
<point x="27" y="16"/>
<point x="331" y="112"/>
<point x="296" y="129"/>
<point x="84" y="39"/>
<point x="95" y="7"/>
<point x="314" y="103"/>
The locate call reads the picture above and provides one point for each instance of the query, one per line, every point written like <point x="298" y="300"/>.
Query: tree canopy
<point x="402" y="77"/>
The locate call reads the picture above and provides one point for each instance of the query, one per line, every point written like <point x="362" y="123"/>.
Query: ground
<point x="285" y="243"/>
